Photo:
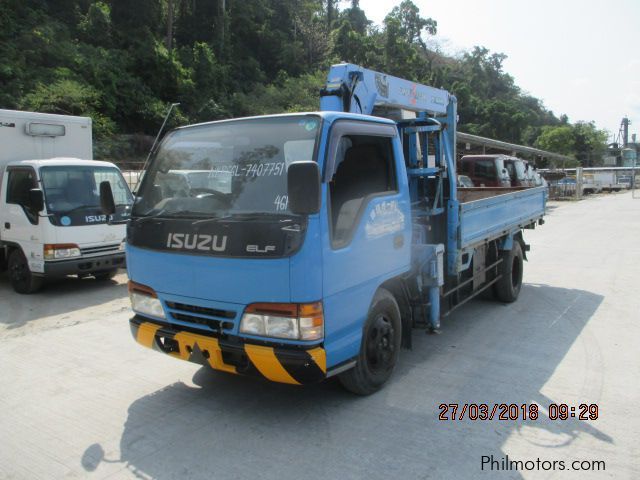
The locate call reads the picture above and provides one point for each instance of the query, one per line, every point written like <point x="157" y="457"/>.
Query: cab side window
<point x="365" y="168"/>
<point x="19" y="183"/>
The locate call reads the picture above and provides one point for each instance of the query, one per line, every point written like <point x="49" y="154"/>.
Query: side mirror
<point x="107" y="203"/>
<point x="303" y="187"/>
<point x="36" y="200"/>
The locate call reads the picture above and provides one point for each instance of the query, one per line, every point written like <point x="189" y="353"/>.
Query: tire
<point x="380" y="347"/>
<point x="508" y="287"/>
<point x="22" y="280"/>
<point x="104" y="276"/>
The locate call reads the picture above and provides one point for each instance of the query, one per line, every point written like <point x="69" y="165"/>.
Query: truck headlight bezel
<point x="145" y="301"/>
<point x="287" y="321"/>
<point x="60" y="251"/>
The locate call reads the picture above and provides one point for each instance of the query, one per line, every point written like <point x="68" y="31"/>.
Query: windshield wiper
<point x="174" y="215"/>
<point x="242" y="216"/>
<point x="79" y="207"/>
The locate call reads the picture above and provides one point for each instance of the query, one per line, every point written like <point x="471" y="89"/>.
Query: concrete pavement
<point x="80" y="399"/>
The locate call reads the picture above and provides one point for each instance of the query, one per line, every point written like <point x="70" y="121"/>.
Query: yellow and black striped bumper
<point x="278" y="364"/>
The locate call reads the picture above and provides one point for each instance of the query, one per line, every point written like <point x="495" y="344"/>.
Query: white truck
<point x="51" y="223"/>
<point x="606" y="180"/>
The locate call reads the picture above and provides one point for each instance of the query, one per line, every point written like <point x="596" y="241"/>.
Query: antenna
<point x="155" y="142"/>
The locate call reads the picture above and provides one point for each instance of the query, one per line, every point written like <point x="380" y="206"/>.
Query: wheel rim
<point x="380" y="344"/>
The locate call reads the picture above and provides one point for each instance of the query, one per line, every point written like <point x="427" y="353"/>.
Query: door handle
<point x="7" y="225"/>
<point x="398" y="241"/>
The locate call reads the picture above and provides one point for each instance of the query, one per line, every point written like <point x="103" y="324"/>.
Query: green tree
<point x="557" y="139"/>
<point x="123" y="62"/>
<point x="590" y="143"/>
<point x="69" y="97"/>
<point x="410" y="25"/>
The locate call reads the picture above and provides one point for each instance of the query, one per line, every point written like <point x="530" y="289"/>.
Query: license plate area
<point x="168" y="345"/>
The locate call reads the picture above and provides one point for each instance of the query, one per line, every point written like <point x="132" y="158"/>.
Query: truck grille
<point x="212" y="319"/>
<point x="100" y="250"/>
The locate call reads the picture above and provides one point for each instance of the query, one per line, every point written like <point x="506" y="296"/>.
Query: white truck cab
<point x="51" y="223"/>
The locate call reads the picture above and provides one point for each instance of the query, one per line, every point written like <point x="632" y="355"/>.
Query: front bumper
<point x="80" y="266"/>
<point x="281" y="364"/>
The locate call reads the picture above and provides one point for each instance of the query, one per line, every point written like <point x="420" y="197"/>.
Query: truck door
<point x="369" y="231"/>
<point x="18" y="224"/>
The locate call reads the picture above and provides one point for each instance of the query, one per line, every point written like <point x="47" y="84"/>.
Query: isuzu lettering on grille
<point x="205" y="243"/>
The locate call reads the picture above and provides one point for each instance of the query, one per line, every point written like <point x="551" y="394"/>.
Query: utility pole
<point x="222" y="8"/>
<point x="169" y="39"/>
<point x="579" y="182"/>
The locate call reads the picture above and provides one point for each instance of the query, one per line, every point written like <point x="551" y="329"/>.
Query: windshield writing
<point x="227" y="168"/>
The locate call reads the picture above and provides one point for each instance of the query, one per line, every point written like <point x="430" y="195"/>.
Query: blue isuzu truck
<point x="301" y="246"/>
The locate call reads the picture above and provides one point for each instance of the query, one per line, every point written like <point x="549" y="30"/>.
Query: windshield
<point x="72" y="193"/>
<point x="70" y="188"/>
<point x="227" y="168"/>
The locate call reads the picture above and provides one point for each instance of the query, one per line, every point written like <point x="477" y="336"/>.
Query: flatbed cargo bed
<point x="488" y="213"/>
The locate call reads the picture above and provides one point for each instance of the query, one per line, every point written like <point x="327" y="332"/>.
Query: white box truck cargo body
<point x="44" y="135"/>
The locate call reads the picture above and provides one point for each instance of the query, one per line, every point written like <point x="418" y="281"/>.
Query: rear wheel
<point x="379" y="349"/>
<point x="508" y="287"/>
<point x="22" y="280"/>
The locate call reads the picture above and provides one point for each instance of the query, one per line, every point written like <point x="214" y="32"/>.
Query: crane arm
<point x="354" y="89"/>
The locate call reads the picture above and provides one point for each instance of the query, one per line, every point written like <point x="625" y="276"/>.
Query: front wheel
<point x="508" y="287"/>
<point x="379" y="349"/>
<point x="22" y="280"/>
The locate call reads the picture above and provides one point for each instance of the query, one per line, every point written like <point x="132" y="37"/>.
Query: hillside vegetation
<point x="123" y="62"/>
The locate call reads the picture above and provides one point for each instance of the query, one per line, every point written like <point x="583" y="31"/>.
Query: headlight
<point x="123" y="244"/>
<point x="61" y="250"/>
<point x="291" y="321"/>
<point x="145" y="301"/>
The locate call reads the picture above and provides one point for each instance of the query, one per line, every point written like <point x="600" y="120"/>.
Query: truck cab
<point x="486" y="170"/>
<point x="237" y="260"/>
<point x="520" y="172"/>
<point x="51" y="223"/>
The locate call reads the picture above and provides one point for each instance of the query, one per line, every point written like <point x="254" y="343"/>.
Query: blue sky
<point x="582" y="58"/>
